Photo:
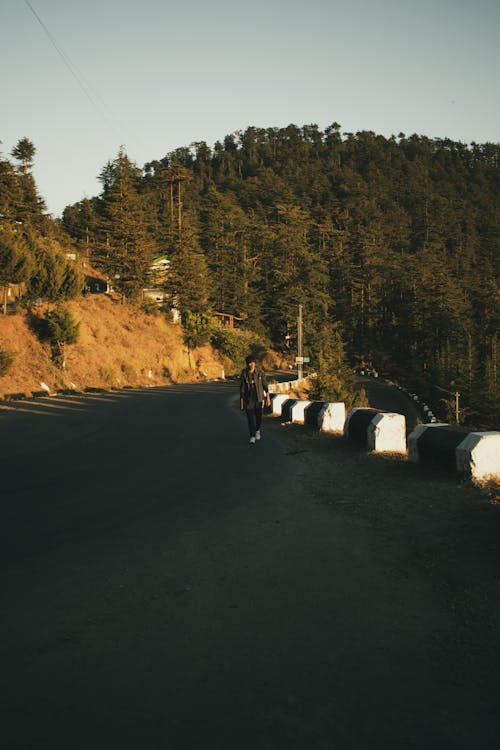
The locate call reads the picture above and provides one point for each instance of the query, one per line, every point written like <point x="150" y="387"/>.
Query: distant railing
<point x="289" y="385"/>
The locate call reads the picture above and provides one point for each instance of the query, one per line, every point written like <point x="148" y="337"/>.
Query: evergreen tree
<point x="125" y="250"/>
<point x="29" y="206"/>
<point x="396" y="238"/>
<point x="63" y="330"/>
<point x="334" y="378"/>
<point x="16" y="261"/>
<point x="53" y="277"/>
<point x="82" y="223"/>
<point x="24" y="152"/>
<point x="10" y="191"/>
<point x="188" y="283"/>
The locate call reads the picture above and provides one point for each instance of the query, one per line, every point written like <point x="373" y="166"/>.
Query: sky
<point x="82" y="79"/>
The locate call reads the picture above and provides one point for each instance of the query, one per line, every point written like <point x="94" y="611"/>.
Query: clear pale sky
<point x="154" y="75"/>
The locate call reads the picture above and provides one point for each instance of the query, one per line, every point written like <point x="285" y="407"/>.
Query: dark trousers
<point x="254" y="417"/>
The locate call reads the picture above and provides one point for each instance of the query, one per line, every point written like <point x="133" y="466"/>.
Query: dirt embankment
<point x="118" y="346"/>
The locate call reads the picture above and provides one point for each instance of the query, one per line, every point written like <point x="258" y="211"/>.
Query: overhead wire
<point x="95" y="101"/>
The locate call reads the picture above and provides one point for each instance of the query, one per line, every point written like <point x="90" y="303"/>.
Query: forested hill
<point x="395" y="240"/>
<point x="390" y="245"/>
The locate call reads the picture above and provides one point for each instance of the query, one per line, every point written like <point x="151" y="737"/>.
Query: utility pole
<point x="300" y="358"/>
<point x="179" y="209"/>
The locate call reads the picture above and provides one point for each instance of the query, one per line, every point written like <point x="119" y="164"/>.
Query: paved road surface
<point x="165" y="585"/>
<point x="386" y="397"/>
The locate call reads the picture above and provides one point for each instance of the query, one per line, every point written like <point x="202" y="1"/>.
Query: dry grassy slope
<point x="118" y="346"/>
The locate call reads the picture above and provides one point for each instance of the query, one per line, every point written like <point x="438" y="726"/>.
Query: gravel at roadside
<point x="434" y="525"/>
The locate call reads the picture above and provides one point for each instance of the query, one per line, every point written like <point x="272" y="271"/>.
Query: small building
<point x="227" y="319"/>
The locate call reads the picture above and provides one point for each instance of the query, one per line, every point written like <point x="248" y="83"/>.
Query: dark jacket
<point x="261" y="386"/>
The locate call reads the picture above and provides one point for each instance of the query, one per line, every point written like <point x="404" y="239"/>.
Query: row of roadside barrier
<point x="472" y="453"/>
<point x="287" y="386"/>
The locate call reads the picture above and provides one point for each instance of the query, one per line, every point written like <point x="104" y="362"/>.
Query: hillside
<point x="389" y="246"/>
<point x="118" y="346"/>
<point x="389" y="243"/>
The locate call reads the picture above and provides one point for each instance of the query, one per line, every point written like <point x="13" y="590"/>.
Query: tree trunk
<point x="62" y="354"/>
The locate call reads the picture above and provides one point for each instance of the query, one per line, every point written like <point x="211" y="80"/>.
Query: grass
<point x="118" y="346"/>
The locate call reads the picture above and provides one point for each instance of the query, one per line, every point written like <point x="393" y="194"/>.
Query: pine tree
<point x="24" y="152"/>
<point x="188" y="282"/>
<point x="16" y="260"/>
<point x="125" y="250"/>
<point x="396" y="238"/>
<point x="29" y="206"/>
<point x="334" y="378"/>
<point x="10" y="191"/>
<point x="63" y="330"/>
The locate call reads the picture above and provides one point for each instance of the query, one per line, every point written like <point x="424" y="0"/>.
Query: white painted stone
<point x="288" y="386"/>
<point x="414" y="437"/>
<point x="279" y="387"/>
<point x="277" y="404"/>
<point x="479" y="455"/>
<point x="332" y="417"/>
<point x="298" y="411"/>
<point x="387" y="433"/>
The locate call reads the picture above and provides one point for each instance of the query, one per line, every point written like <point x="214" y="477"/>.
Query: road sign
<point x="306" y="360"/>
<point x="299" y="360"/>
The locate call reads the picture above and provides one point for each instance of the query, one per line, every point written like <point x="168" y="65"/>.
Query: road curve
<point x="381" y="395"/>
<point x="165" y="585"/>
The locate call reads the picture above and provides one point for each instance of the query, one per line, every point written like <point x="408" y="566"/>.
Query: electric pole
<point x="300" y="358"/>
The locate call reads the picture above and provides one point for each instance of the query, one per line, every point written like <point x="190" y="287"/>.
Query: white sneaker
<point x="257" y="435"/>
<point x="252" y="440"/>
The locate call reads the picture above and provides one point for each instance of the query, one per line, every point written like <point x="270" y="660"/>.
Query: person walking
<point x="254" y="390"/>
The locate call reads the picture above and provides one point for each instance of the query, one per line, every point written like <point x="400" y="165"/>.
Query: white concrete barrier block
<point x="387" y="433"/>
<point x="414" y="437"/>
<point x="298" y="411"/>
<point x="479" y="455"/>
<point x="332" y="417"/>
<point x="277" y="404"/>
<point x="289" y="385"/>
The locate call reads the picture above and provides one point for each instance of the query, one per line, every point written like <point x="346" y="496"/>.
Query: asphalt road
<point x="386" y="397"/>
<point x="165" y="585"/>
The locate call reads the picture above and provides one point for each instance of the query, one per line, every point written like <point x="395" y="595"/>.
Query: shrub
<point x="237" y="344"/>
<point x="334" y="379"/>
<point x="63" y="329"/>
<point x="6" y="360"/>
<point x="197" y="327"/>
<point x="149" y="307"/>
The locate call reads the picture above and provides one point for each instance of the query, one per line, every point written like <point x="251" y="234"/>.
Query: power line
<point x="100" y="106"/>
